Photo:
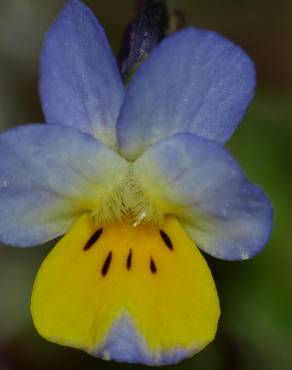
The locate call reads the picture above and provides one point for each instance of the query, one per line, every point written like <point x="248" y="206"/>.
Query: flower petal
<point x="49" y="175"/>
<point x="194" y="81"/>
<point x="202" y="185"/>
<point x="80" y="82"/>
<point x="114" y="297"/>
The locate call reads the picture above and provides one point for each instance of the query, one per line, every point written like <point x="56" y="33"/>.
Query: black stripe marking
<point x="166" y="240"/>
<point x="129" y="260"/>
<point x="106" y="264"/>
<point x="94" y="238"/>
<point x="153" y="267"/>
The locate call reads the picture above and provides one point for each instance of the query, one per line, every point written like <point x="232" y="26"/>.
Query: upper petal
<point x="202" y="185"/>
<point x="195" y="81"/>
<point x="80" y="82"/>
<point x="49" y="175"/>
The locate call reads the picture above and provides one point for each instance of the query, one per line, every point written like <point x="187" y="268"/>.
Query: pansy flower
<point x="137" y="179"/>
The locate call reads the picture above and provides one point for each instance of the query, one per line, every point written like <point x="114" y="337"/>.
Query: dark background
<point x="255" y="330"/>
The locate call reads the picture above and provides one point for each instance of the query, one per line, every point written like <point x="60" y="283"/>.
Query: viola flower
<point x="137" y="179"/>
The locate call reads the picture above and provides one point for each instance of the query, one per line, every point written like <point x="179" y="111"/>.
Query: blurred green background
<point x="255" y="330"/>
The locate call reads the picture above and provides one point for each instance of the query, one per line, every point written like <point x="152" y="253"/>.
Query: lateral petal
<point x="198" y="181"/>
<point x="50" y="175"/>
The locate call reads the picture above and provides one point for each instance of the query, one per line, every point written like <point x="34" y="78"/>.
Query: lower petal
<point x="131" y="294"/>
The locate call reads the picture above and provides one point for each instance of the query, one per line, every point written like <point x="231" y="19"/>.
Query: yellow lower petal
<point x="135" y="294"/>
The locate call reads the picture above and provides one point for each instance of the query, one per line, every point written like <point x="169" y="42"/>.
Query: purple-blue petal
<point x="200" y="183"/>
<point x="49" y="176"/>
<point x="194" y="81"/>
<point x="80" y="82"/>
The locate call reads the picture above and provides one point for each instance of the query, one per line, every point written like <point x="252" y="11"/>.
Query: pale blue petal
<point x="200" y="183"/>
<point x="125" y="344"/>
<point x="49" y="176"/>
<point x="80" y="82"/>
<point x="194" y="81"/>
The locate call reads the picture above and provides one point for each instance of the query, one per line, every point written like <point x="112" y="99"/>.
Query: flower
<point x="137" y="179"/>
